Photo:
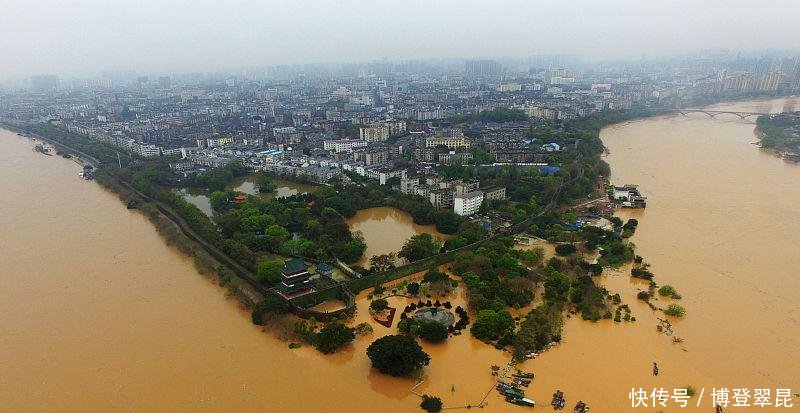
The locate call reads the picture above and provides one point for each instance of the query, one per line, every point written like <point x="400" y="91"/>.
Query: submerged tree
<point x="431" y="404"/>
<point x="397" y="355"/>
<point x="333" y="336"/>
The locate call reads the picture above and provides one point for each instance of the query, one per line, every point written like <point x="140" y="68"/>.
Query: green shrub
<point x="565" y="249"/>
<point x="675" y="310"/>
<point x="431" y="404"/>
<point x="333" y="336"/>
<point x="379" y="305"/>
<point x="669" y="291"/>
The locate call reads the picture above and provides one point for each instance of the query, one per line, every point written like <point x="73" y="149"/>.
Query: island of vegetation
<point x="781" y="134"/>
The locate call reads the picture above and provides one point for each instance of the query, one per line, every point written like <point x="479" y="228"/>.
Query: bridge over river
<point x="742" y="115"/>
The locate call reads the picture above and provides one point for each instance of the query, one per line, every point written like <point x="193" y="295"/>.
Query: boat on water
<point x="520" y="401"/>
<point x="581" y="407"/>
<point x="42" y="149"/>
<point x="509" y="390"/>
<point x="558" y="402"/>
<point x="523" y="374"/>
<point x="522" y="382"/>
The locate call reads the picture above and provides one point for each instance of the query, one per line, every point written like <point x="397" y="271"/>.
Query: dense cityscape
<point x="593" y="210"/>
<point x="380" y="119"/>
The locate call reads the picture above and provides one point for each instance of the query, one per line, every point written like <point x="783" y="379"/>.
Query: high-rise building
<point x="164" y="82"/>
<point x="796" y="80"/>
<point x="44" y="83"/>
<point x="483" y="68"/>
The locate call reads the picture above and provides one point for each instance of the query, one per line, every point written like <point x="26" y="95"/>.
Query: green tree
<point x="397" y="355"/>
<point x="412" y="288"/>
<point x="565" y="249"/>
<point x="266" y="184"/>
<point x="269" y="271"/>
<point x="379" y="305"/>
<point x="275" y="235"/>
<point x="382" y="262"/>
<point x="431" y="404"/>
<point x="333" y="336"/>
<point x="432" y="331"/>
<point x="420" y="246"/>
<point x="272" y="305"/>
<point x="492" y="324"/>
<point x="434" y="276"/>
<point x="556" y="287"/>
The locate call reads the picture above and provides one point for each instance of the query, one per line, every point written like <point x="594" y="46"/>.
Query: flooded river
<point x="722" y="227"/>
<point x="98" y="314"/>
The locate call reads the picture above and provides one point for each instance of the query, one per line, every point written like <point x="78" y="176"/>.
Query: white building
<point x="344" y="145"/>
<point x="468" y="204"/>
<point x="551" y="147"/>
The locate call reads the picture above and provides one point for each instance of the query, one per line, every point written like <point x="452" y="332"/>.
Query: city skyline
<point x="82" y="40"/>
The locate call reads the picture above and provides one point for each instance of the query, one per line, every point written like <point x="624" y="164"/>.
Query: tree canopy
<point x="420" y="246"/>
<point x="333" y="336"/>
<point x="397" y="355"/>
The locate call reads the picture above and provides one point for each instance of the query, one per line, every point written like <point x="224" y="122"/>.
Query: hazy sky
<point x="73" y="37"/>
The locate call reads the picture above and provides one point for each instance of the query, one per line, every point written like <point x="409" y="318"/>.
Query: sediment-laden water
<point x="386" y="229"/>
<point x="97" y="313"/>
<point x="721" y="227"/>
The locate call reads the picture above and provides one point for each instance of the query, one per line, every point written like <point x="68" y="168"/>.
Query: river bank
<point x="712" y="229"/>
<point x="167" y="224"/>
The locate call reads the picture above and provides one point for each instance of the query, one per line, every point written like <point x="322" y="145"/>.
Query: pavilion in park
<point x="296" y="279"/>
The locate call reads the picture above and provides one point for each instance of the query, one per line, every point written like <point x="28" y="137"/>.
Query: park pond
<point x="386" y="229"/>
<point x="248" y="185"/>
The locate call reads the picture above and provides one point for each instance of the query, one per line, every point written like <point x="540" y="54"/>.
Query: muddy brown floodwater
<point x="386" y="229"/>
<point x="98" y="314"/>
<point x="722" y="227"/>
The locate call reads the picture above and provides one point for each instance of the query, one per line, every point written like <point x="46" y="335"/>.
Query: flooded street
<point x="98" y="314"/>
<point x="721" y="227"/>
<point x="386" y="229"/>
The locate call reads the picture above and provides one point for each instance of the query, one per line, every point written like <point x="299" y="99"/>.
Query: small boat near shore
<point x="581" y="407"/>
<point x="523" y="375"/>
<point x="509" y="390"/>
<point x="521" y="401"/>
<point x="42" y="149"/>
